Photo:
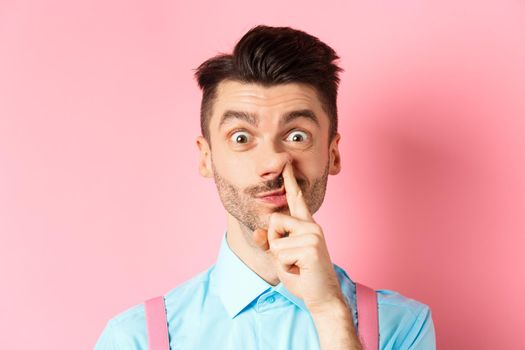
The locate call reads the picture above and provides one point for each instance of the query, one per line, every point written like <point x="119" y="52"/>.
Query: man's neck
<point x="240" y="240"/>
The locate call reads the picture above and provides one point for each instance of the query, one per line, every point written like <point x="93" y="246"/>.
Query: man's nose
<point x="270" y="160"/>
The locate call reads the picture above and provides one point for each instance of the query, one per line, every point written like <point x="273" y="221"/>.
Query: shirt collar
<point x="238" y="285"/>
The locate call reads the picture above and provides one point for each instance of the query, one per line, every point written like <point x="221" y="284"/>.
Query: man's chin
<point x="268" y="211"/>
<point x="264" y="219"/>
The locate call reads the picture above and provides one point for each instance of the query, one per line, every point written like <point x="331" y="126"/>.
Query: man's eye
<point x="297" y="136"/>
<point x="240" y="137"/>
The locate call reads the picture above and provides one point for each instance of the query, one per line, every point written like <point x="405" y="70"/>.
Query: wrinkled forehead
<point x="271" y="100"/>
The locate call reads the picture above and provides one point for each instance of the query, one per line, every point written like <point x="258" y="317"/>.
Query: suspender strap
<point x="157" y="324"/>
<point x="367" y="318"/>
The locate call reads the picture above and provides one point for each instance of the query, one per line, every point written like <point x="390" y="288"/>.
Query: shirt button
<point x="270" y="299"/>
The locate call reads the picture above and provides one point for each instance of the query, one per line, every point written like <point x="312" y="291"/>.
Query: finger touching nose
<point x="272" y="164"/>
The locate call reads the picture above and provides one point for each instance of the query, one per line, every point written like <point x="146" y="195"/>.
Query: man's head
<point x="271" y="56"/>
<point x="270" y="102"/>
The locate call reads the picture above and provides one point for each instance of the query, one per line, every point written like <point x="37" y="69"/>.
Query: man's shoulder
<point x="176" y="296"/>
<point x="385" y="297"/>
<point x="403" y="321"/>
<point x="128" y="327"/>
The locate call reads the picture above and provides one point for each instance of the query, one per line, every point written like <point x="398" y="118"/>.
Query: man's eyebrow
<point x="247" y="117"/>
<point x="302" y="113"/>
<point x="253" y="119"/>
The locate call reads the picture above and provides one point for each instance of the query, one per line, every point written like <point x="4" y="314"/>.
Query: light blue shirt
<point x="229" y="306"/>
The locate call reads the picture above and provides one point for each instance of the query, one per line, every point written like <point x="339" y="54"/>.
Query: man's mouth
<point x="275" y="198"/>
<point x="278" y="192"/>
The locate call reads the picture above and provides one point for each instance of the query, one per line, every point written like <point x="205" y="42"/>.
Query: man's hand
<point x="298" y="248"/>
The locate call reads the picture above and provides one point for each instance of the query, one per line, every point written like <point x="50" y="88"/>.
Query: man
<point x="269" y="140"/>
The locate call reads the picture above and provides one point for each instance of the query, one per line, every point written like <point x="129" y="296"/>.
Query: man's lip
<point x="279" y="192"/>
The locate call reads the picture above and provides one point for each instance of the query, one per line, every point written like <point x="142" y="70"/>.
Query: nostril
<point x="280" y="180"/>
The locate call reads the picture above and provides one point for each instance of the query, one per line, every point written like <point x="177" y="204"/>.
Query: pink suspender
<point x="368" y="329"/>
<point x="157" y="324"/>
<point x="367" y="317"/>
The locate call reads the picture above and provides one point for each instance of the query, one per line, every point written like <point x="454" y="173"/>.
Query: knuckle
<point x="314" y="240"/>
<point x="316" y="227"/>
<point x="281" y="255"/>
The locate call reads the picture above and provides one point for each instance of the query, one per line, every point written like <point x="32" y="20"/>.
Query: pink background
<point x="101" y="204"/>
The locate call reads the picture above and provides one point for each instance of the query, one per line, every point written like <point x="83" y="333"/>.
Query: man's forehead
<point x="235" y="92"/>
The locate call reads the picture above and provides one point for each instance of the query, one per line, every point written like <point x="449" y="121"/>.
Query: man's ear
<point x="335" y="157"/>
<point x="205" y="167"/>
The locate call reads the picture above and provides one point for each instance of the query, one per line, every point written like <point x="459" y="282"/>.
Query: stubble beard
<point x="242" y="205"/>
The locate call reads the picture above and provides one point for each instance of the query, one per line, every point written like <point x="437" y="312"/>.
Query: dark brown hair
<point x="270" y="56"/>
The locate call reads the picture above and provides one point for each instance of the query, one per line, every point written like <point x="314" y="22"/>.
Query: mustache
<point x="272" y="185"/>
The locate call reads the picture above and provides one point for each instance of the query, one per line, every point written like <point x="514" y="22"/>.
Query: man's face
<point x="254" y="131"/>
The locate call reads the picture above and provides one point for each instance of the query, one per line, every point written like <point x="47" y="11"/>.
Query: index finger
<point x="294" y="195"/>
